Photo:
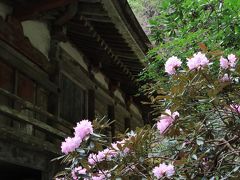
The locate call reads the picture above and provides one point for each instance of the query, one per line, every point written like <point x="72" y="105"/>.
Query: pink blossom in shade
<point x="96" y="158"/>
<point x="232" y="60"/>
<point x="169" y="115"/>
<point x="92" y="159"/>
<point x="166" y="120"/>
<point x="224" y="64"/>
<point x="162" y="125"/>
<point x="101" y="156"/>
<point x="124" y="150"/>
<point x="114" y="146"/>
<point x="170" y="170"/>
<point x="171" y="65"/>
<point x="83" y="129"/>
<point x="198" y="61"/>
<point x="235" y="108"/>
<point x="163" y="170"/>
<point x="225" y="78"/>
<point x="109" y="153"/>
<point x="78" y="171"/>
<point x="70" y="144"/>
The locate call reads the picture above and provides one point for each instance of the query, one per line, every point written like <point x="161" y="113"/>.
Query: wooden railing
<point x="34" y="108"/>
<point x="49" y="127"/>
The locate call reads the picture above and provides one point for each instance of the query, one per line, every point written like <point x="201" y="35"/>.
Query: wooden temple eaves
<point x="106" y="31"/>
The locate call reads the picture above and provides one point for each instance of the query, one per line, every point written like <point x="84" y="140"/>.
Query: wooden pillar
<point x="111" y="117"/>
<point x="113" y="86"/>
<point x="127" y="123"/>
<point x="146" y="115"/>
<point x="91" y="104"/>
<point x="54" y="99"/>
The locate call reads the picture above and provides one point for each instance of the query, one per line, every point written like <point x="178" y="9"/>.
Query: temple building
<point x="62" y="61"/>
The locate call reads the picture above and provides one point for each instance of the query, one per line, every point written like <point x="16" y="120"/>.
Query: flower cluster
<point x="235" y="108"/>
<point x="163" y="170"/>
<point x="225" y="78"/>
<point x="70" y="144"/>
<point x="171" y="65"/>
<point x="82" y="131"/>
<point x="199" y="60"/>
<point x="102" y="175"/>
<point x="78" y="171"/>
<point x="228" y="63"/>
<point x="109" y="153"/>
<point x="166" y="120"/>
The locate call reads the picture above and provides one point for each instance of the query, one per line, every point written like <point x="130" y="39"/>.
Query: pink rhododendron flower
<point x="101" y="156"/>
<point x="225" y="78"/>
<point x="230" y="62"/>
<point x="92" y="159"/>
<point x="109" y="153"/>
<point x="78" y="171"/>
<point x="198" y="61"/>
<point x="163" y="170"/>
<point x="102" y="175"/>
<point x="126" y="150"/>
<point x="70" y="144"/>
<point x="163" y="125"/>
<point x="115" y="145"/>
<point x="83" y="129"/>
<point x="224" y="64"/>
<point x="166" y="120"/>
<point x="106" y="154"/>
<point x="96" y="158"/>
<point x="171" y="65"/>
<point x="235" y="108"/>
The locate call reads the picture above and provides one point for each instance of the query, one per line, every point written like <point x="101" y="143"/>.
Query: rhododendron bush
<point x="195" y="135"/>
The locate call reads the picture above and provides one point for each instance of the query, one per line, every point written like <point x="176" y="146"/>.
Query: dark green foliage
<point x="179" y="26"/>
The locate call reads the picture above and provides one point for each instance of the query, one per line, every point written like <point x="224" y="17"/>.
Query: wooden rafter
<point x="28" y="10"/>
<point x="105" y="46"/>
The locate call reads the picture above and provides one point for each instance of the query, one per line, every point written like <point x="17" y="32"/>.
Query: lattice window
<point x="73" y="101"/>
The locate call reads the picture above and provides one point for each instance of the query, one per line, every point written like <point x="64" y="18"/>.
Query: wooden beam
<point x="28" y="10"/>
<point x="113" y="85"/>
<point x="39" y="124"/>
<point x="31" y="142"/>
<point x="11" y="35"/>
<point x="68" y="15"/>
<point x="90" y="1"/>
<point x="124" y="51"/>
<point x="106" y="46"/>
<point x="102" y="19"/>
<point x="21" y="63"/>
<point x="95" y="9"/>
<point x="117" y="13"/>
<point x="30" y="106"/>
